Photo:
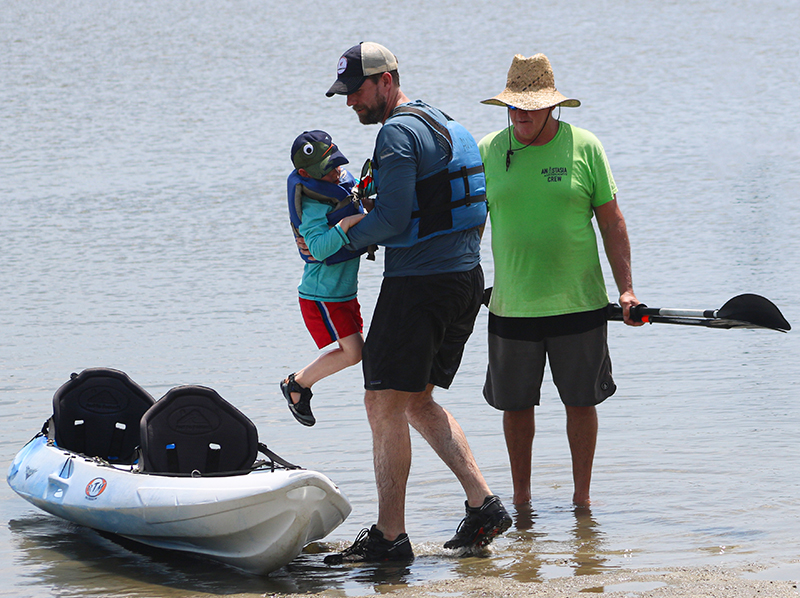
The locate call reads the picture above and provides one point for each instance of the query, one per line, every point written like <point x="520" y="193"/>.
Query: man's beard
<point x="374" y="115"/>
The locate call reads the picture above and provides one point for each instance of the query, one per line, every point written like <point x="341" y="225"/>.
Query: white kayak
<point x="257" y="521"/>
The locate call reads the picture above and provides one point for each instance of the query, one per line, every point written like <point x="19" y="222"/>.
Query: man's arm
<point x="618" y="251"/>
<point x="396" y="182"/>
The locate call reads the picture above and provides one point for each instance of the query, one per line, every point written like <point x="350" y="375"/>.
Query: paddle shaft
<point x="685" y="317"/>
<point x="709" y="318"/>
<point x="742" y="311"/>
<point x="639" y="312"/>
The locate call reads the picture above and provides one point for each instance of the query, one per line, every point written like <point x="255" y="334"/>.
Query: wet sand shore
<point x="745" y="581"/>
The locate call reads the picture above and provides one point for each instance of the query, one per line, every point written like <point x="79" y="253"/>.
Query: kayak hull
<point x="258" y="521"/>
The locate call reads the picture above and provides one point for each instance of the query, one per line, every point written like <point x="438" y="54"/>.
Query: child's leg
<point x="346" y="354"/>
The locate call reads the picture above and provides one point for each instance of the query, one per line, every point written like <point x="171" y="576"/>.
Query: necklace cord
<point x="510" y="151"/>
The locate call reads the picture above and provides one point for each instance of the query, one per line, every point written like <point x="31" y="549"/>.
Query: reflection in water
<point x="534" y="554"/>
<point x="82" y="562"/>
<point x="588" y="543"/>
<point x="520" y="557"/>
<point x="384" y="578"/>
<point x="524" y="516"/>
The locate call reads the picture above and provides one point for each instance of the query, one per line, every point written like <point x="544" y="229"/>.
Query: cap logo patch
<point x="342" y="66"/>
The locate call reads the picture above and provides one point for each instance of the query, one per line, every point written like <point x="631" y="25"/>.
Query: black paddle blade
<point x="754" y="309"/>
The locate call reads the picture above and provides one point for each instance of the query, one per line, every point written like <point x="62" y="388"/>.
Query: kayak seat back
<point x="97" y="413"/>
<point x="193" y="429"/>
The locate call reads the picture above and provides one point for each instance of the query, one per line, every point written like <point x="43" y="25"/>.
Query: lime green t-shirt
<point x="546" y="261"/>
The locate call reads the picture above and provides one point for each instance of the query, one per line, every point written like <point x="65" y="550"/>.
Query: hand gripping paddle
<point x="743" y="311"/>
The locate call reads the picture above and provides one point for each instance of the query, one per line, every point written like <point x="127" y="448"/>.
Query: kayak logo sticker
<point x="95" y="488"/>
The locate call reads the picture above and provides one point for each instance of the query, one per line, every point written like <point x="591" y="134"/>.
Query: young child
<point x="321" y="212"/>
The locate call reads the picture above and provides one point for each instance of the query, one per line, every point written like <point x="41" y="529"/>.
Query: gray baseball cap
<point x="358" y="63"/>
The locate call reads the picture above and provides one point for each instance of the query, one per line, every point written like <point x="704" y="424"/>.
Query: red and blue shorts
<point x="330" y="321"/>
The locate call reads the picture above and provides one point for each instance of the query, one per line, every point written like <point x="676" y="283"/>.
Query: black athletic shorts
<point x="419" y="329"/>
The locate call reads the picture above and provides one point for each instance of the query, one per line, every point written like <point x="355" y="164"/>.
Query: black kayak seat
<point x="97" y="413"/>
<point x="193" y="429"/>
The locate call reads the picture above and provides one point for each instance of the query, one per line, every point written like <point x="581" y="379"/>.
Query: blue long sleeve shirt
<point x="407" y="150"/>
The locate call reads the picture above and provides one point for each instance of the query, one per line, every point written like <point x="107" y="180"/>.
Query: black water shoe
<point x="481" y="525"/>
<point x="371" y="547"/>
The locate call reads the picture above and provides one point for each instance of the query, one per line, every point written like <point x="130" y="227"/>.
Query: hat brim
<point x="338" y="159"/>
<point x="532" y="100"/>
<point x="345" y="86"/>
<point x="322" y="168"/>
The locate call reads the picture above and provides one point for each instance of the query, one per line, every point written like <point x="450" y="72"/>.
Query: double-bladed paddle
<point x="743" y="311"/>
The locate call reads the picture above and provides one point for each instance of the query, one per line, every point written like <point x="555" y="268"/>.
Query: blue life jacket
<point x="451" y="200"/>
<point x="337" y="196"/>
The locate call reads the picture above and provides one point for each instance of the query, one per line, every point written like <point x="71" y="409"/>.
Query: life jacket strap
<point x="463" y="173"/>
<point x="435" y="124"/>
<point x="449" y="206"/>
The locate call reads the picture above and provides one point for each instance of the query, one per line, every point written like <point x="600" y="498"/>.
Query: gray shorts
<point x="580" y="365"/>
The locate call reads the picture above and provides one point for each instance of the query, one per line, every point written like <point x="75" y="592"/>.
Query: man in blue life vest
<point x="428" y="213"/>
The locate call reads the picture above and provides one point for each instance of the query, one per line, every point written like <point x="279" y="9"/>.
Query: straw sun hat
<point x="531" y="86"/>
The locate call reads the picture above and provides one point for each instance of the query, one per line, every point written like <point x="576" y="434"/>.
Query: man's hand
<point x="301" y="244"/>
<point x="628" y="300"/>
<point x="349" y="221"/>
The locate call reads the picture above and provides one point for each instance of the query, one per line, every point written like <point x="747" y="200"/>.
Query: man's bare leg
<point x="391" y="452"/>
<point x="582" y="436"/>
<point x="519" y="428"/>
<point x="440" y="429"/>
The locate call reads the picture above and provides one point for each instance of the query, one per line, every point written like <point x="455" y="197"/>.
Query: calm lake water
<point x="144" y="147"/>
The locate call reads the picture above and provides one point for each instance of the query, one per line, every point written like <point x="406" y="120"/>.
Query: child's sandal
<point x="302" y="409"/>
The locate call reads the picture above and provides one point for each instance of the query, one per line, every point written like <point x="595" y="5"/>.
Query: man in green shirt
<point x="545" y="180"/>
